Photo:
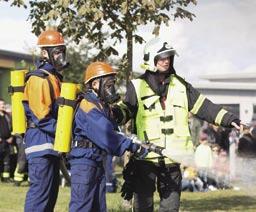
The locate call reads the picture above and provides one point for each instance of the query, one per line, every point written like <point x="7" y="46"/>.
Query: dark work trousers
<point x="88" y="188"/>
<point x="21" y="167"/>
<point x="4" y="159"/>
<point x="44" y="184"/>
<point x="168" y="180"/>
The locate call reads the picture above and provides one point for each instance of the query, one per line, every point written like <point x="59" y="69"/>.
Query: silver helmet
<point x="154" y="50"/>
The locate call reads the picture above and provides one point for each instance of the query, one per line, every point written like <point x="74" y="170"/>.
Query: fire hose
<point x="182" y="156"/>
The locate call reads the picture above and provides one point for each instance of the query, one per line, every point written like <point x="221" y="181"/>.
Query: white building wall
<point x="244" y="98"/>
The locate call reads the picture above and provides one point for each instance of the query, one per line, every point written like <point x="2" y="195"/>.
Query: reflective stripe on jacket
<point x="41" y="90"/>
<point x="166" y="128"/>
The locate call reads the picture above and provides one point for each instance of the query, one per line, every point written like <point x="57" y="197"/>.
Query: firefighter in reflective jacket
<point x="41" y="90"/>
<point x="160" y="101"/>
<point x="94" y="136"/>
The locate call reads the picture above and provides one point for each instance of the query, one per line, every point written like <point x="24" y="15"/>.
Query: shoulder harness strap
<point x="43" y="74"/>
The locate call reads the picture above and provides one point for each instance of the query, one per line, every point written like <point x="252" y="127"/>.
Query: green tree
<point x="79" y="58"/>
<point x="93" y="18"/>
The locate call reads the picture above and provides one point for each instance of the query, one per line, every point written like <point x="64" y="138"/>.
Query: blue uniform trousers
<point x="110" y="175"/>
<point x="44" y="184"/>
<point x="88" y="188"/>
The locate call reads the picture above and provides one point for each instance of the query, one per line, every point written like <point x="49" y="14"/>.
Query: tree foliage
<point x="105" y="22"/>
<point x="80" y="56"/>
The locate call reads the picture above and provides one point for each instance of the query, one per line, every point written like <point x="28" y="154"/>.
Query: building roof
<point x="15" y="56"/>
<point x="231" y="77"/>
<point x="225" y="85"/>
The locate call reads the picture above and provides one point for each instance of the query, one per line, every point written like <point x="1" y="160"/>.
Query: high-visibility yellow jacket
<point x="168" y="127"/>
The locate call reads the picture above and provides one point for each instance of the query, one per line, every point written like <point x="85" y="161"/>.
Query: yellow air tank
<point x="16" y="89"/>
<point x="65" y="117"/>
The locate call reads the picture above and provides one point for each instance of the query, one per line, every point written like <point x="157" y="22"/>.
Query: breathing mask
<point x="107" y="91"/>
<point x="57" y="57"/>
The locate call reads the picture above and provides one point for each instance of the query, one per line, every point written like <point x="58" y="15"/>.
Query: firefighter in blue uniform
<point x="160" y="101"/>
<point x="41" y="91"/>
<point x="94" y="136"/>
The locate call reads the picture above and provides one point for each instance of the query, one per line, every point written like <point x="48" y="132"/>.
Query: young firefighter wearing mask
<point x="94" y="136"/>
<point x="42" y="88"/>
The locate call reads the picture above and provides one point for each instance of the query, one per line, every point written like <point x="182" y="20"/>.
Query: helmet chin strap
<point x="100" y="89"/>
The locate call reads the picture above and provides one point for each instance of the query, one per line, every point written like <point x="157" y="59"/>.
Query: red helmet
<point x="97" y="69"/>
<point x="50" y="38"/>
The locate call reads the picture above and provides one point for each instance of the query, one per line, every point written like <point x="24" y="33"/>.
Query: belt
<point x="84" y="143"/>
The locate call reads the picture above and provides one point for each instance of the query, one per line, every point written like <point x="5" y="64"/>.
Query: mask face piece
<point x="107" y="90"/>
<point x="57" y="57"/>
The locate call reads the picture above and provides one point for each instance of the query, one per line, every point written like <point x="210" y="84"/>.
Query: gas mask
<point x="57" y="57"/>
<point x="107" y="91"/>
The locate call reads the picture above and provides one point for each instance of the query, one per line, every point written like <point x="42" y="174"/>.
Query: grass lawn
<point x="12" y="200"/>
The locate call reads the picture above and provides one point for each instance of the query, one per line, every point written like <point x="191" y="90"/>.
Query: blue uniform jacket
<point x="41" y="109"/>
<point x="92" y="122"/>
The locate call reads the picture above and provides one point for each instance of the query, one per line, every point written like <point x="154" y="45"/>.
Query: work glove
<point x="127" y="191"/>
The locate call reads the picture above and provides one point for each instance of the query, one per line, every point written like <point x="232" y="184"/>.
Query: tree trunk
<point x="129" y="56"/>
<point x="129" y="34"/>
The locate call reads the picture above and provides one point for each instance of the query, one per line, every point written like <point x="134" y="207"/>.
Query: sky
<point x="220" y="39"/>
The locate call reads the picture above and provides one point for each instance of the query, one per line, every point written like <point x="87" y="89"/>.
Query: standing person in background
<point x="160" y="101"/>
<point x="203" y="158"/>
<point x="42" y="88"/>
<point x="221" y="170"/>
<point x="6" y="140"/>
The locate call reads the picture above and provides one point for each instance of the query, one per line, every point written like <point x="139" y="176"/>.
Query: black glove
<point x="127" y="191"/>
<point x="129" y="175"/>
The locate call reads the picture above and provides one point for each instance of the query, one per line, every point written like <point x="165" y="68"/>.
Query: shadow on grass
<point x="231" y="203"/>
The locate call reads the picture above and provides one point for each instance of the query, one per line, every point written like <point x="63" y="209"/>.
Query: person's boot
<point x="6" y="180"/>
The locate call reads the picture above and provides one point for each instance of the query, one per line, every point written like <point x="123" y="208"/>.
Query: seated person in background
<point x="190" y="180"/>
